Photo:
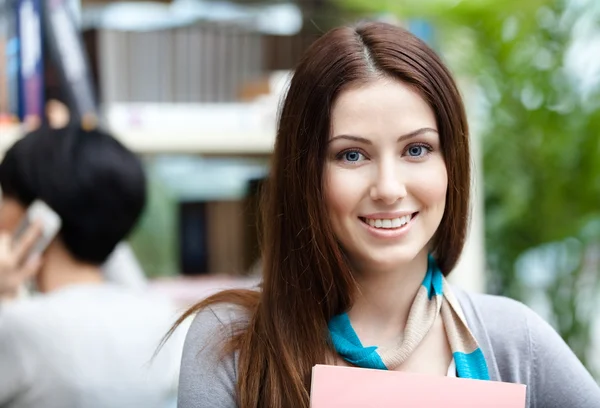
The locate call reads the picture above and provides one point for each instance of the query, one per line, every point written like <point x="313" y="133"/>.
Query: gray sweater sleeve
<point x="208" y="376"/>
<point x="558" y="379"/>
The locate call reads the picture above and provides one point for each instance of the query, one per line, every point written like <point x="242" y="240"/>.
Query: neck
<point x="384" y="299"/>
<point x="61" y="269"/>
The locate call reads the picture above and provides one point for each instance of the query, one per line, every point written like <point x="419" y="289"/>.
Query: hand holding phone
<point x="16" y="264"/>
<point x="20" y="253"/>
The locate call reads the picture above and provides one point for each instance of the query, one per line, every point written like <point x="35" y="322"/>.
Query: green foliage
<point x="437" y="11"/>
<point x="155" y="239"/>
<point x="541" y="143"/>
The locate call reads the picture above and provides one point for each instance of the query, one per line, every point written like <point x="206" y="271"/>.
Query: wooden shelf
<point x="154" y="129"/>
<point x="217" y="128"/>
<point x="190" y="142"/>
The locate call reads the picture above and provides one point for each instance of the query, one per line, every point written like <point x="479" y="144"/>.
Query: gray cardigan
<point x="518" y="345"/>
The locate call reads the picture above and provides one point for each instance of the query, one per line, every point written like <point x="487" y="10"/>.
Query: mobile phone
<point x="50" y="222"/>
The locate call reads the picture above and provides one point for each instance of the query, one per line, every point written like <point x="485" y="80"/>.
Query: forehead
<point x="382" y="105"/>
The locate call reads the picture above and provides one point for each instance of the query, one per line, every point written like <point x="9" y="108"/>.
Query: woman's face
<point x="385" y="178"/>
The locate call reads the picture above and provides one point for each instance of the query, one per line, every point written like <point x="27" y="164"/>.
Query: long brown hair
<point x="306" y="278"/>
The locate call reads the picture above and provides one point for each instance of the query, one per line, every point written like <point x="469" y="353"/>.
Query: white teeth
<point x="387" y="223"/>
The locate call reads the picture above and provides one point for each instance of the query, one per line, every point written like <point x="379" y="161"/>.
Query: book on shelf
<point x="193" y="238"/>
<point x="211" y="236"/>
<point x="9" y="63"/>
<point x="67" y="53"/>
<point x="42" y="56"/>
<point x="31" y="61"/>
<point x="4" y="115"/>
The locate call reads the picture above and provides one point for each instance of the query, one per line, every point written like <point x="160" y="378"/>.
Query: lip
<point x="388" y="215"/>
<point x="389" y="233"/>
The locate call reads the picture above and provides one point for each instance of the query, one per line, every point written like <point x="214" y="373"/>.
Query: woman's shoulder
<point x="506" y="331"/>
<point x="521" y="347"/>
<point x="214" y="326"/>
<point x="208" y="374"/>
<point x="497" y="314"/>
<point x="217" y="320"/>
<point x="508" y="327"/>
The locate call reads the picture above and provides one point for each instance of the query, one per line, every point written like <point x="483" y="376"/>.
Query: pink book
<point x="348" y="387"/>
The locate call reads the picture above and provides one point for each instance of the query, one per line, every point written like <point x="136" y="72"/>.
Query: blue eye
<point x="418" y="150"/>
<point x="352" y="156"/>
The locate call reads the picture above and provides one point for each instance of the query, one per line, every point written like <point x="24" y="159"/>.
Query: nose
<point x="388" y="185"/>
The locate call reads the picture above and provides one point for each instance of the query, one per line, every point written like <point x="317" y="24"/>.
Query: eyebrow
<point x="410" y="135"/>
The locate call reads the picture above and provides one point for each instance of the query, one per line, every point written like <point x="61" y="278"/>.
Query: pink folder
<point x="348" y="387"/>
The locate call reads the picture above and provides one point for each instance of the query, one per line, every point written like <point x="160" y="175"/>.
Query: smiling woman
<point x="364" y="215"/>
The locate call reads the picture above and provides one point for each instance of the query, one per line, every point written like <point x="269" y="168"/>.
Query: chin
<point x="386" y="260"/>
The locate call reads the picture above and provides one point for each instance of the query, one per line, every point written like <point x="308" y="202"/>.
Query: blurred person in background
<point x="81" y="341"/>
<point x="367" y="207"/>
<point x="122" y="265"/>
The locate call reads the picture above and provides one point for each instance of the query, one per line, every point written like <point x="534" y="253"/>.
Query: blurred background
<point x="193" y="87"/>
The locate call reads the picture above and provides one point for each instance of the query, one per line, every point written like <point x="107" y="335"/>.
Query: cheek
<point x="342" y="192"/>
<point x="432" y="185"/>
<point x="439" y="190"/>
